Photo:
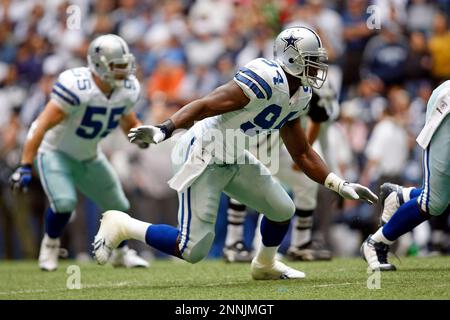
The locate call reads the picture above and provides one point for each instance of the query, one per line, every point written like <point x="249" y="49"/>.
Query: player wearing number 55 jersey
<point x="264" y="95"/>
<point x="86" y="105"/>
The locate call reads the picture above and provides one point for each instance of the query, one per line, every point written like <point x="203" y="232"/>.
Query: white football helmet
<point x="300" y="53"/>
<point x="110" y="59"/>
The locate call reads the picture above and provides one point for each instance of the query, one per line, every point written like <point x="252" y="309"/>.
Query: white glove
<point x="146" y="134"/>
<point x="347" y="190"/>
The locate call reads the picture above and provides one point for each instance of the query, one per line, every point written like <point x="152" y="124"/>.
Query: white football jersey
<point x="438" y="108"/>
<point x="91" y="115"/>
<point x="270" y="107"/>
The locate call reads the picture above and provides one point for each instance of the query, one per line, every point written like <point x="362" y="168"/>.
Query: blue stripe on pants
<point x="428" y="182"/>
<point x="182" y="219"/>
<point x="425" y="195"/>
<point x="185" y="237"/>
<point x="189" y="214"/>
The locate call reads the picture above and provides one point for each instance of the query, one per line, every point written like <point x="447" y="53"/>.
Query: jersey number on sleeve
<point x="279" y="78"/>
<point x="93" y="119"/>
<point x="83" y="84"/>
<point x="129" y="84"/>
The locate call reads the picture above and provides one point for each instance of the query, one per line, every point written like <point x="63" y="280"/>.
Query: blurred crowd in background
<point x="386" y="57"/>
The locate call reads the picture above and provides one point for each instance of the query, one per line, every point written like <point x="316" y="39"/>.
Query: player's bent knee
<point x="122" y="204"/>
<point x="289" y="211"/>
<point x="65" y="204"/>
<point x="284" y="212"/>
<point x="198" y="250"/>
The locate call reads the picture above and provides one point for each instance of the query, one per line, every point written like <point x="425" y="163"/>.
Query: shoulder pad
<point x="257" y="78"/>
<point x="133" y="88"/>
<point x="65" y="88"/>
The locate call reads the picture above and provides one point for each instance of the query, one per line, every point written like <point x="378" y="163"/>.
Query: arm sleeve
<point x="317" y="113"/>
<point x="64" y="93"/>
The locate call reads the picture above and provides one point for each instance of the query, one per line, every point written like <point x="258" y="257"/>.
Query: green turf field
<point x="417" y="278"/>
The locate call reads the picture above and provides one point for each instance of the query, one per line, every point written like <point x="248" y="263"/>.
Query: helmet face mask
<point x="110" y="59"/>
<point x="315" y="71"/>
<point x="300" y="53"/>
<point x="120" y="69"/>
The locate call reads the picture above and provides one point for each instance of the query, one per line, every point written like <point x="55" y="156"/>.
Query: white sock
<point x="379" y="237"/>
<point x="266" y="255"/>
<point x="236" y="218"/>
<point x="50" y="241"/>
<point x="235" y="233"/>
<point x="136" y="229"/>
<point x="302" y="237"/>
<point x="301" y="234"/>
<point x="406" y="192"/>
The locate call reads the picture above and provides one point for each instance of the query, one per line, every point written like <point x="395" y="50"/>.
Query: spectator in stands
<point x="439" y="45"/>
<point x="356" y="36"/>
<point x="385" y="55"/>
<point x="388" y="147"/>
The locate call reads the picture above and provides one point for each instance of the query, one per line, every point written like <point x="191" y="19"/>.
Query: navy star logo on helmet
<point x="290" y="42"/>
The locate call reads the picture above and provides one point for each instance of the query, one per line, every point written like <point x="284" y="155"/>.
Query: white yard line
<point x="334" y="285"/>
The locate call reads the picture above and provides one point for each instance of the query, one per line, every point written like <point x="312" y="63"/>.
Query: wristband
<point x="167" y="127"/>
<point x="333" y="182"/>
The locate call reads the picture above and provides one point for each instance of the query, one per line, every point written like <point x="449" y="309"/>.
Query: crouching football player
<point x="264" y="95"/>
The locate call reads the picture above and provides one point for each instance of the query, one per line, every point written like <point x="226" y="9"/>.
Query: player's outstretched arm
<point x="310" y="162"/>
<point x="226" y="98"/>
<point x="50" y="117"/>
<point x="312" y="131"/>
<point x="129" y="121"/>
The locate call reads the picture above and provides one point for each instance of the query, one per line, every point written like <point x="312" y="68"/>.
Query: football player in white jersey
<point x="406" y="208"/>
<point x="86" y="105"/>
<point x="323" y="109"/>
<point x="264" y="95"/>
